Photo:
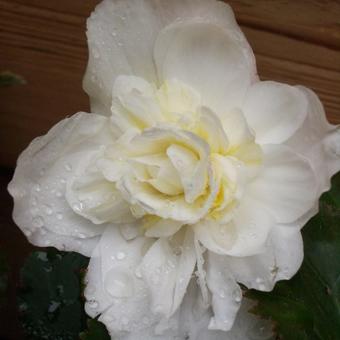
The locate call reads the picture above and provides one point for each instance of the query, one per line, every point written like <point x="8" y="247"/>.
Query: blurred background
<point x="43" y="41"/>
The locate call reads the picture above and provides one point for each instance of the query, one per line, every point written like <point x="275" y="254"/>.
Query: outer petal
<point x="226" y="293"/>
<point x="167" y="269"/>
<point x="318" y="141"/>
<point x="39" y="182"/>
<point x="216" y="62"/>
<point x="287" y="185"/>
<point x="195" y="317"/>
<point x="115" y="289"/>
<point x="121" y="37"/>
<point x="274" y="111"/>
<point x="281" y="259"/>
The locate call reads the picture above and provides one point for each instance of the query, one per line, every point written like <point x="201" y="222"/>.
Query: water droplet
<point x="90" y="289"/>
<point x="43" y="231"/>
<point x="262" y="330"/>
<point x="95" y="54"/>
<point x="222" y="293"/>
<point x="118" y="283"/>
<point x="58" y="194"/>
<point x="37" y="188"/>
<point x="108" y="318"/>
<point x="53" y="306"/>
<point x="114" y="33"/>
<point x="68" y="167"/>
<point x="124" y="320"/>
<point x="237" y="295"/>
<point x="38" y="221"/>
<point x="138" y="273"/>
<point x="120" y="255"/>
<point x="48" y="210"/>
<point x="78" y="207"/>
<point x="34" y="201"/>
<point x="59" y="216"/>
<point x="93" y="304"/>
<point x="158" y="309"/>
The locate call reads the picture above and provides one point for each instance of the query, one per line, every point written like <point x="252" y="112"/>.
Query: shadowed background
<point x="295" y="41"/>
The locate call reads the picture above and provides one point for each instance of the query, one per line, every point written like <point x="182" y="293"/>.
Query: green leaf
<point x="50" y="299"/>
<point x="3" y="279"/>
<point x="307" y="307"/>
<point x="8" y="79"/>
<point x="96" y="331"/>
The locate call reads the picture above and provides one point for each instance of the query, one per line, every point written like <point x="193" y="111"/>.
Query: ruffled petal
<point x="287" y="185"/>
<point x="39" y="183"/>
<point x="215" y="61"/>
<point x="245" y="235"/>
<point x="134" y="104"/>
<point x="92" y="196"/>
<point x="274" y="111"/>
<point x="280" y="260"/>
<point x="318" y="141"/>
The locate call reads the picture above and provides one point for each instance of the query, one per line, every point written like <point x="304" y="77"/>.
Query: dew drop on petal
<point x="93" y="304"/>
<point x="68" y="167"/>
<point x="58" y="194"/>
<point x="118" y="283"/>
<point x="59" y="216"/>
<point x="38" y="221"/>
<point x="120" y="255"/>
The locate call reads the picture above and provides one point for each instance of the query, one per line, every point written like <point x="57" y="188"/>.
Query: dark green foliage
<point x="308" y="306"/>
<point x="8" y="78"/>
<point x="3" y="279"/>
<point x="96" y="331"/>
<point x="50" y="297"/>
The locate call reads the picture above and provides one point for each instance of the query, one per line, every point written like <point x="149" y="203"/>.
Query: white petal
<point x="318" y="141"/>
<point x="216" y="237"/>
<point x="92" y="196"/>
<point x="153" y="142"/>
<point x="162" y="227"/>
<point x="121" y="37"/>
<point x="236" y="128"/>
<point x="245" y="235"/>
<point x="168" y="272"/>
<point x="281" y="259"/>
<point x="214" y="61"/>
<point x="226" y="293"/>
<point x="39" y="183"/>
<point x="286" y="185"/>
<point x="134" y="104"/>
<point x="115" y="289"/>
<point x="274" y="111"/>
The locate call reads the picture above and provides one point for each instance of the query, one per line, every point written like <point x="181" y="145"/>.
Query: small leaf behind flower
<point x="8" y="78"/>
<point x="50" y="297"/>
<point x="95" y="331"/>
<point x="3" y="279"/>
<point x="308" y="306"/>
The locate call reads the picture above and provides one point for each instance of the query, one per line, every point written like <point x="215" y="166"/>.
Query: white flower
<point x="191" y="175"/>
